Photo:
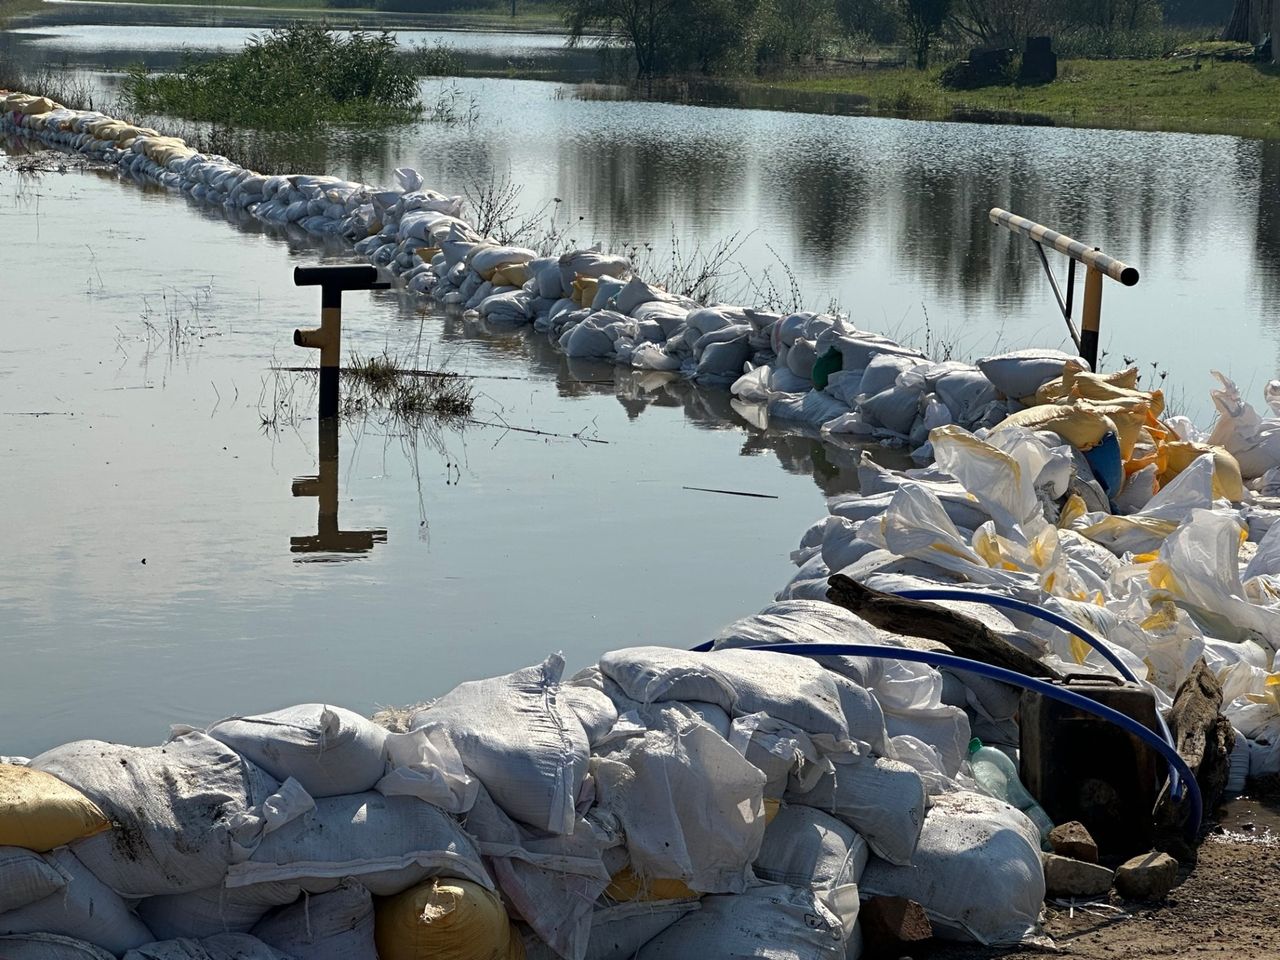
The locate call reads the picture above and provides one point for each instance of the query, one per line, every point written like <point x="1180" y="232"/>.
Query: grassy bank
<point x="1172" y="95"/>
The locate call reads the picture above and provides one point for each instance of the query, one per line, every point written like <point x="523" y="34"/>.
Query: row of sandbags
<point x="812" y="369"/>
<point x="658" y="804"/>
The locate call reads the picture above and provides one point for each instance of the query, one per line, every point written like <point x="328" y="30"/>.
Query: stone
<point x="1073" y="840"/>
<point x="890" y="924"/>
<point x="1147" y="877"/>
<point x="1064" y="877"/>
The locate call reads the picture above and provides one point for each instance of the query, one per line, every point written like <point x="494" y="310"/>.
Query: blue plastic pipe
<point x="1063" y="695"/>
<point x="1073" y="628"/>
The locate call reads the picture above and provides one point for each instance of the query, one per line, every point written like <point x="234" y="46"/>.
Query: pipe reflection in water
<point x="329" y="537"/>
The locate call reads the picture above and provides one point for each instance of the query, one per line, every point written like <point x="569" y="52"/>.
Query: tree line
<point x="726" y="36"/>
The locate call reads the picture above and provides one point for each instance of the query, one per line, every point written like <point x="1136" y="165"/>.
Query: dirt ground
<point x="1227" y="906"/>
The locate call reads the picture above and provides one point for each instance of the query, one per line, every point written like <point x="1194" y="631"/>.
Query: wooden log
<point x="1204" y="739"/>
<point x="962" y="635"/>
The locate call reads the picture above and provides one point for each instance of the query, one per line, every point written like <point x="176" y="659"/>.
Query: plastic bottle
<point x="998" y="777"/>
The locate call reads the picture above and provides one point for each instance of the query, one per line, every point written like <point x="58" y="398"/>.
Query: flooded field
<point x="155" y="541"/>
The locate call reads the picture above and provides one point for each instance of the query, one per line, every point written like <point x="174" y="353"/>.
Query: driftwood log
<point x="1204" y="739"/>
<point x="962" y="635"/>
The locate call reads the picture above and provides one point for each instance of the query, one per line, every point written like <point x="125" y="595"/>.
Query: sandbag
<point x="389" y="843"/>
<point x="329" y="750"/>
<point x="805" y="847"/>
<point x="741" y="682"/>
<point x="445" y="920"/>
<point x="85" y="909"/>
<point x="1021" y="373"/>
<point x="338" y="925"/>
<point x="39" y="812"/>
<point x="976" y="871"/>
<point x="204" y="913"/>
<point x="773" y="922"/>
<point x="691" y="808"/>
<point x="882" y="799"/>
<point x="49" y="946"/>
<point x="520" y="740"/>
<point x="222" y="946"/>
<point x="26" y="877"/>
<point x="173" y="807"/>
<point x="620" y="930"/>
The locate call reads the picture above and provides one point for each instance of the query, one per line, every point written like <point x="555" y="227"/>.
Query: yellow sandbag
<point x="427" y="254"/>
<point x="584" y="290"/>
<point x="1059" y="389"/>
<point x="1128" y="415"/>
<point x="1227" y="482"/>
<point x="1082" y="428"/>
<point x="627" y="885"/>
<point x="38" y="105"/>
<point x="445" y="919"/>
<point x="39" y="812"/>
<point x="512" y="275"/>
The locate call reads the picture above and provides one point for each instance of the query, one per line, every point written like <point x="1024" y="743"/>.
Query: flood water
<point x="140" y="331"/>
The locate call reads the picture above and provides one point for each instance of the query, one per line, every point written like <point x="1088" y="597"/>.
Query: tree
<point x="667" y="35"/>
<point x="924" y="20"/>
<point x="877" y="19"/>
<point x="1006" y="23"/>
<point x="795" y="30"/>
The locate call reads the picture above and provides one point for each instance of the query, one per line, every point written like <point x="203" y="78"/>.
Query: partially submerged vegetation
<point x="295" y="78"/>
<point x="388" y="382"/>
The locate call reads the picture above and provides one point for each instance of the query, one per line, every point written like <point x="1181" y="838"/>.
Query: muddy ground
<point x="1227" y="906"/>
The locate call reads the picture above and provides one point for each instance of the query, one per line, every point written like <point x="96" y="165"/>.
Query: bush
<point x="294" y="78"/>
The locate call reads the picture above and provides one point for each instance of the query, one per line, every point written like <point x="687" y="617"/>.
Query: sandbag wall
<point x="657" y="804"/>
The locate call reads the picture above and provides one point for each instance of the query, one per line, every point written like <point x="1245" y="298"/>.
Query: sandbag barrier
<point x="536" y="815"/>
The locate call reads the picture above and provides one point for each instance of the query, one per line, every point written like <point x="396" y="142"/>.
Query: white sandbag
<point x="204" y="913"/>
<point x="976" y="871"/>
<point x="173" y="807"/>
<point x="805" y="847"/>
<point x="588" y="339"/>
<point x="773" y="922"/>
<point x="590" y="263"/>
<point x="966" y="393"/>
<point x="801" y="358"/>
<point x="85" y="909"/>
<point x="607" y="288"/>
<point x="329" y="750"/>
<point x="25" y="877"/>
<point x="552" y="881"/>
<point x="520" y="740"/>
<point x="895" y="408"/>
<point x="635" y="293"/>
<point x="389" y="843"/>
<point x="425" y="763"/>
<point x="883" y="372"/>
<point x="690" y="806"/>
<point x="814" y="408"/>
<point x="706" y="320"/>
<point x="650" y="356"/>
<point x="546" y="273"/>
<point x="778" y="750"/>
<point x="329" y="926"/>
<point x="594" y="710"/>
<point x="1021" y="373"/>
<point x="789" y="688"/>
<point x="753" y="386"/>
<point x="620" y="930"/>
<point x="724" y="360"/>
<point x="222" y="946"/>
<point x="845" y="386"/>
<point x="882" y="799"/>
<point x="49" y="946"/>
<point x="486" y="260"/>
<point x="860" y="349"/>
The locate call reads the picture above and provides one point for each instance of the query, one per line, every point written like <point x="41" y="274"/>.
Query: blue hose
<point x="1061" y="694"/>
<point x="1057" y="620"/>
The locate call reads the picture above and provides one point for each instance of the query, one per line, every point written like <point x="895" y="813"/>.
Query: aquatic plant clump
<point x="293" y="78"/>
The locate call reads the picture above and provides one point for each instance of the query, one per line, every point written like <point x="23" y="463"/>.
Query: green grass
<point x="1171" y="95"/>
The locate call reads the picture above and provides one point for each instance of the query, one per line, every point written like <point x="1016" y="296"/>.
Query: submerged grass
<point x="1184" y="94"/>
<point x="389" y="382"/>
<point x="295" y="78"/>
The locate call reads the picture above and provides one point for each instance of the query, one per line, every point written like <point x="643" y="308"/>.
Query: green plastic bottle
<point x="998" y="777"/>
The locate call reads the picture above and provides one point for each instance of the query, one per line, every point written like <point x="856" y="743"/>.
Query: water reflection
<point x="329" y="537"/>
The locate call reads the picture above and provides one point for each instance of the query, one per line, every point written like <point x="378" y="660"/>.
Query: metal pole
<point x="328" y="336"/>
<point x="1091" y="320"/>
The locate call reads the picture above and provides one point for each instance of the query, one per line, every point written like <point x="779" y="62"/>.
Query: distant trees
<point x="670" y="36"/>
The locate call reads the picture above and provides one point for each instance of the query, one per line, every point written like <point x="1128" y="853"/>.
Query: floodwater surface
<point x="141" y="419"/>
